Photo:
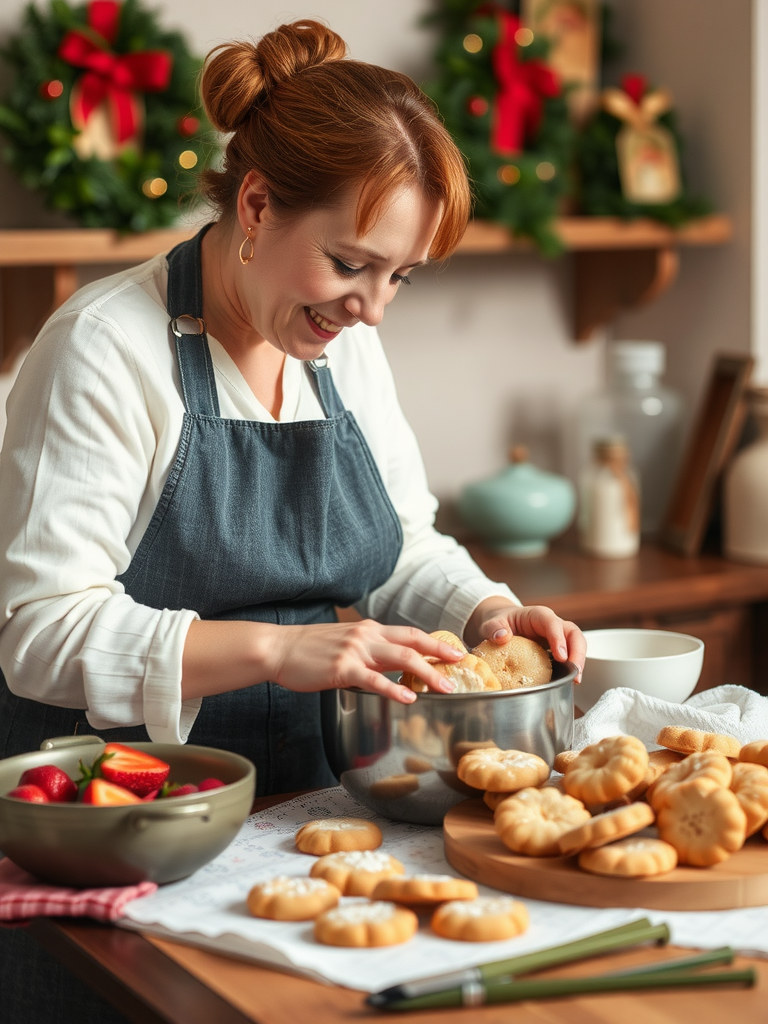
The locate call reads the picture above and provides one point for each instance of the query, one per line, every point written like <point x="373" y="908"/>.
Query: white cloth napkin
<point x="734" y="710"/>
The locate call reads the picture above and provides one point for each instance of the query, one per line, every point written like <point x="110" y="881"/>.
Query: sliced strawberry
<point x="184" y="790"/>
<point x="134" y="769"/>
<point x="32" y="794"/>
<point x="101" y="793"/>
<point x="54" y="782"/>
<point x="210" y="784"/>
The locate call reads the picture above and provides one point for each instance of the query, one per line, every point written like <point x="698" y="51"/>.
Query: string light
<point x="473" y="43"/>
<point x="153" y="188"/>
<point x="508" y="174"/>
<point x="188" y="158"/>
<point x="545" y="171"/>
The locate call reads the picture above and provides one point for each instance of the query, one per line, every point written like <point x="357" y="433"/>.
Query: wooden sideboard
<point x="723" y="603"/>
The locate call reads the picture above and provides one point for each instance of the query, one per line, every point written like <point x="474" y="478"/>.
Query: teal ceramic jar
<point x="521" y="509"/>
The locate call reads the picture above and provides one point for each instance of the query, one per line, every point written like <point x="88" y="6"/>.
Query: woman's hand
<point x="496" y="619"/>
<point x="344" y="654"/>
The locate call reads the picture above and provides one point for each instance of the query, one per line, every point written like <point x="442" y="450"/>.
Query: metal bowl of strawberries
<point x="80" y="812"/>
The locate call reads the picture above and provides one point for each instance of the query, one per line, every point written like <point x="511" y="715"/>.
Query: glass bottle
<point x="647" y="414"/>
<point x="609" y="508"/>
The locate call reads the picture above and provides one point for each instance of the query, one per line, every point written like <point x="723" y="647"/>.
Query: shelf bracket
<point x="605" y="282"/>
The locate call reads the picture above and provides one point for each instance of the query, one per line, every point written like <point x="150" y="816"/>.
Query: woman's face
<point x="313" y="275"/>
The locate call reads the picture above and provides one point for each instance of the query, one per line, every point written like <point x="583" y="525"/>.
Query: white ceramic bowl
<point x="654" y="661"/>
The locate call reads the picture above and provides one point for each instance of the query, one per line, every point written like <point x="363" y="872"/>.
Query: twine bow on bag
<point x="115" y="79"/>
<point x="646" y="151"/>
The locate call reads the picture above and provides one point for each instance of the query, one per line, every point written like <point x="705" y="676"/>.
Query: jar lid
<point x="637" y="357"/>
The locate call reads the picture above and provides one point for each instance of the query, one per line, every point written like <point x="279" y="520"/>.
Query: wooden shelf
<point x="617" y="264"/>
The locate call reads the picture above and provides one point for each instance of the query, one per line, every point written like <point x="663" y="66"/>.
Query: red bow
<point x="109" y="75"/>
<point x="522" y="87"/>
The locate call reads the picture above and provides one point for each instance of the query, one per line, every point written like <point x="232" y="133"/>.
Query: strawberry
<point x="32" y="794"/>
<point x="54" y="782"/>
<point x="184" y="790"/>
<point x="133" y="769"/>
<point x="209" y="784"/>
<point x="101" y="793"/>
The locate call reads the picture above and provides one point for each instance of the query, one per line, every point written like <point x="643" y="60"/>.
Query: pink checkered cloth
<point x="23" y="896"/>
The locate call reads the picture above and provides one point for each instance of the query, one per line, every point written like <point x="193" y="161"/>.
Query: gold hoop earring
<point x="249" y="240"/>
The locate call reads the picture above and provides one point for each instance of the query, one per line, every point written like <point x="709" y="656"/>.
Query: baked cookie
<point x="492" y="800"/>
<point x="563" y="759"/>
<point x="531" y="821"/>
<point x="486" y="919"/>
<point x="518" y="662"/>
<point x="356" y="872"/>
<point x="605" y="828"/>
<point x="292" y="899"/>
<point x="606" y="770"/>
<point x="330" y="835"/>
<point x="462" y="747"/>
<point x="691" y="741"/>
<point x="502" y="771"/>
<point x="705" y="824"/>
<point x="635" y="857"/>
<point x="750" y="784"/>
<point x="470" y="675"/>
<point x="417" y="765"/>
<point x="658" y="762"/>
<point x="394" y="786"/>
<point x="424" y="890"/>
<point x="366" y="924"/>
<point x="756" y="752"/>
<point x="450" y="638"/>
<point x="707" y="765"/>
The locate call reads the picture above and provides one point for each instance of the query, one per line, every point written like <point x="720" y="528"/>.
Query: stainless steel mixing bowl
<point x="400" y="759"/>
<point x="160" y="841"/>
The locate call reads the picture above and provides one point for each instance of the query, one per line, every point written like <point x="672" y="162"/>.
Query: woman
<point x="196" y="500"/>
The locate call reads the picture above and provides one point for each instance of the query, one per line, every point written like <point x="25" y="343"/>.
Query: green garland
<point x="39" y="131"/>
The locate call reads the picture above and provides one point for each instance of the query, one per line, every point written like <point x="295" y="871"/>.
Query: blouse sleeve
<point x="71" y="478"/>
<point x="436" y="584"/>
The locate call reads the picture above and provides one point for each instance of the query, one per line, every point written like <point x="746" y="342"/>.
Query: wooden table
<point x="154" y="981"/>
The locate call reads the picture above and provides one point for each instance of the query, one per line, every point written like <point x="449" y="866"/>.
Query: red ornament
<point x="112" y="76"/>
<point x="188" y="126"/>
<point x="477" y="106"/>
<point x="523" y="86"/>
<point x="634" y="86"/>
<point x="52" y="89"/>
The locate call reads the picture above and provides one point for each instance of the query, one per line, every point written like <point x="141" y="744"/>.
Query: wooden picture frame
<point x="712" y="441"/>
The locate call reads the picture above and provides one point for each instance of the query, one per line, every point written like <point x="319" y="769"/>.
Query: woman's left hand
<point x="497" y="620"/>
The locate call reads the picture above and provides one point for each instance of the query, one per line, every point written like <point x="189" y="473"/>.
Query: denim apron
<point x="272" y="522"/>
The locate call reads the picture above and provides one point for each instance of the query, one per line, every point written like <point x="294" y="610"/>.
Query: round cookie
<point x="330" y="835"/>
<point x="492" y="800"/>
<point x="424" y="890"/>
<point x="635" y="857"/>
<point x="705" y="824"/>
<point x="706" y="765"/>
<point x="292" y="899"/>
<point x="605" y="828"/>
<point x="356" y="872"/>
<point x="756" y="752"/>
<point x="750" y="784"/>
<point x="516" y="663"/>
<point x="366" y="924"/>
<point x="485" y="919"/>
<point x="606" y="770"/>
<point x="531" y="821"/>
<point x="392" y="787"/>
<point x="691" y="741"/>
<point x="470" y="675"/>
<point x="417" y="765"/>
<point x="563" y="759"/>
<point x="502" y="771"/>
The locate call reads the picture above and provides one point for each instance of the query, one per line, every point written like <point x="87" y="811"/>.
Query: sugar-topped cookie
<point x="485" y="919"/>
<point x="329" y="835"/>
<point x="531" y="821"/>
<point x="635" y="857"/>
<point x="424" y="889"/>
<point x="356" y="872"/>
<point x="366" y="924"/>
<point x="502" y="771"/>
<point x="287" y="898"/>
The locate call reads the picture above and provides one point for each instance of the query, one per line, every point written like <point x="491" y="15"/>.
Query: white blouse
<point x="94" y="421"/>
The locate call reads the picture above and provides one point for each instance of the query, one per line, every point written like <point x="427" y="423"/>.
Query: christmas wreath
<point x="102" y="114"/>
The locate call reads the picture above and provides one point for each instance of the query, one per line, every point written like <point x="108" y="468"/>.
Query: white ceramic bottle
<point x="745" y="493"/>
<point x="646" y="413"/>
<point x="609" y="508"/>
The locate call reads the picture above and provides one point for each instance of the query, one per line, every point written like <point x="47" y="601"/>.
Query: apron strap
<point x="185" y="309"/>
<point x="320" y="377"/>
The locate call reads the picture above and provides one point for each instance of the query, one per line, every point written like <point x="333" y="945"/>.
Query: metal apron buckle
<point x="197" y="321"/>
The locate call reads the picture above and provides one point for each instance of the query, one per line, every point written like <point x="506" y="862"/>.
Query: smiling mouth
<point x="322" y="323"/>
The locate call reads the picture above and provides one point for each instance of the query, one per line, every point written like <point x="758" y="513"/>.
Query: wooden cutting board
<point x="474" y="849"/>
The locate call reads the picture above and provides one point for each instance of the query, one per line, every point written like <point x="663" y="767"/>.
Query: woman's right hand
<point x="345" y="654"/>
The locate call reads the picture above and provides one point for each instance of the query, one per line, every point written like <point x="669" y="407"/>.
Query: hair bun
<point x="237" y="75"/>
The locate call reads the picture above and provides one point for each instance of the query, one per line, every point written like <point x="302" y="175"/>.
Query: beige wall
<point x="482" y="349"/>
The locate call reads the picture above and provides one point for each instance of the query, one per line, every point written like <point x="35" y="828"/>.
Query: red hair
<point x="314" y="125"/>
